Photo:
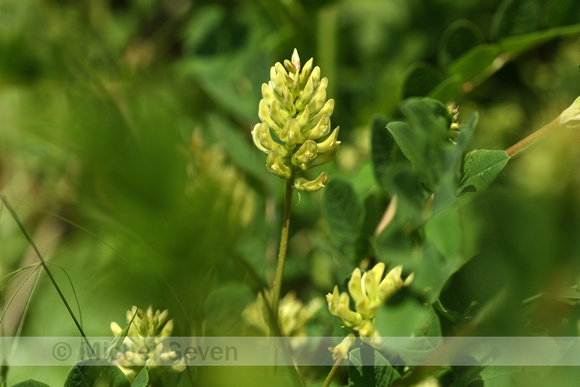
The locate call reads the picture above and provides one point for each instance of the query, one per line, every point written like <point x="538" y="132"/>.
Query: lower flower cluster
<point x="368" y="293"/>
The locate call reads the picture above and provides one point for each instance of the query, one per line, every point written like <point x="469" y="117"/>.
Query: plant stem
<point x="332" y="372"/>
<point x="45" y="267"/>
<point x="277" y="286"/>
<point x="532" y="138"/>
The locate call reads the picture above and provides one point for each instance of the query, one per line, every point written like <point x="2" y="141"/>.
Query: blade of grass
<point x="45" y="267"/>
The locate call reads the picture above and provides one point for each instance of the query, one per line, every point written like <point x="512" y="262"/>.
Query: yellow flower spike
<point x="341" y="350"/>
<point x="294" y="112"/>
<point x="301" y="184"/>
<point x="355" y="286"/>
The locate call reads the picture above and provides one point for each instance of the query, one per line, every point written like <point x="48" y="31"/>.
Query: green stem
<point x="45" y="267"/>
<point x="332" y="372"/>
<point x="283" y="247"/>
<point x="532" y="138"/>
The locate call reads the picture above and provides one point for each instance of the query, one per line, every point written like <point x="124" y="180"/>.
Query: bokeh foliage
<point x="125" y="147"/>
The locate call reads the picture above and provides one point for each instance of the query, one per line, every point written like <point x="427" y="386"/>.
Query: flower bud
<point x="304" y="117"/>
<point x="268" y="94"/>
<point x="306" y="71"/>
<point x="301" y="184"/>
<point x="571" y="116"/>
<point x="319" y="98"/>
<point x="306" y="94"/>
<point x="275" y="164"/>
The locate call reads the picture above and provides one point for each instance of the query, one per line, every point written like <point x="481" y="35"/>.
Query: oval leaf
<point x="30" y="383"/>
<point x="481" y="167"/>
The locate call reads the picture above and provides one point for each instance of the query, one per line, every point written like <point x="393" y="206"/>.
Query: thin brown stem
<point x="277" y="286"/>
<point x="532" y="138"/>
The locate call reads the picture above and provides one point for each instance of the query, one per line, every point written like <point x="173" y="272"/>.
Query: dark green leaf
<point x="96" y="372"/>
<point x="383" y="148"/>
<point x="419" y="80"/>
<point x="343" y="213"/>
<point x="457" y="39"/>
<point x="141" y="379"/>
<point x="30" y="383"/>
<point x="411" y="142"/>
<point x="481" y="167"/>
<point x="369" y="368"/>
<point x="560" y="13"/>
<point x="515" y="17"/>
<point x="474" y="62"/>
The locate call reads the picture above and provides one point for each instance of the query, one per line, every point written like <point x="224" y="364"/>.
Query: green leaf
<point x="457" y="39"/>
<point x="96" y="372"/>
<point x="480" y="168"/>
<point x="411" y="142"/>
<point x="474" y="62"/>
<point x="343" y="213"/>
<point x="515" y="17"/>
<point x="30" y="383"/>
<point x="444" y="231"/>
<point x="141" y="379"/>
<point x="380" y="373"/>
<point x="383" y="148"/>
<point x="520" y="43"/>
<point x="419" y="80"/>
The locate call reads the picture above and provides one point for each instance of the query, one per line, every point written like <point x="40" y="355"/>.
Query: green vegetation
<point x="127" y="158"/>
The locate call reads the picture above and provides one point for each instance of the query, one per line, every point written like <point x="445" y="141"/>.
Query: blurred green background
<point x="131" y="120"/>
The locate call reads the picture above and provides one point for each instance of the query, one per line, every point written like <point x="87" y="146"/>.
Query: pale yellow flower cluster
<point x="295" y="114"/>
<point x="144" y="344"/>
<point x="369" y="293"/>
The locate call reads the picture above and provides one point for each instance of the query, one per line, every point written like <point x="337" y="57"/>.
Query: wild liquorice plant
<point x="295" y="133"/>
